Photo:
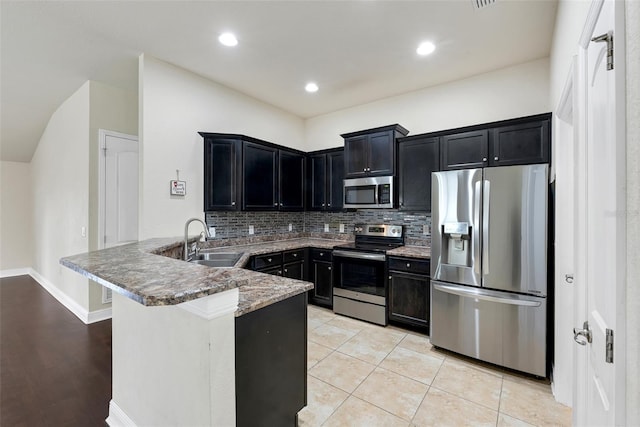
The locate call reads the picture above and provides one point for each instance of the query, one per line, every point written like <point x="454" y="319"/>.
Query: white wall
<point x="632" y="13"/>
<point x="60" y="179"/>
<point x="570" y="19"/>
<point x="511" y="92"/>
<point x="174" y="106"/>
<point x="114" y="109"/>
<point x="16" y="234"/>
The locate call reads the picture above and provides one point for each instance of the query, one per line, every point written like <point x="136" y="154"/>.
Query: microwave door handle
<point x="375" y="194"/>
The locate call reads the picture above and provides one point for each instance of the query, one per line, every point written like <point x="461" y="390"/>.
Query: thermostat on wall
<point x="178" y="188"/>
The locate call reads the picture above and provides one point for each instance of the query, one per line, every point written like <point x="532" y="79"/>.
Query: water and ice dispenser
<point x="456" y="244"/>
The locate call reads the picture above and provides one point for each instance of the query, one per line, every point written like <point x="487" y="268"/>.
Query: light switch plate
<point x="326" y="228"/>
<point x="212" y="231"/>
<point x="290" y="227"/>
<point x="426" y="229"/>
<point x="251" y="230"/>
<point x="342" y="228"/>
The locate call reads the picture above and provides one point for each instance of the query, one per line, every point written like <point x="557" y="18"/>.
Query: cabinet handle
<point x="323" y="205"/>
<point x="275" y="204"/>
<point x="390" y="277"/>
<point x="495" y="158"/>
<point x="364" y="170"/>
<point x="329" y="268"/>
<point x="295" y="255"/>
<point x="233" y="203"/>
<point x="279" y="272"/>
<point x="268" y="259"/>
<point x="408" y="265"/>
<point x="484" y="159"/>
<point x="321" y="253"/>
<point x="286" y="270"/>
<point x="329" y="204"/>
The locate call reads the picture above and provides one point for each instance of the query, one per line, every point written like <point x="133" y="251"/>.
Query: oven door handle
<point x="360" y="255"/>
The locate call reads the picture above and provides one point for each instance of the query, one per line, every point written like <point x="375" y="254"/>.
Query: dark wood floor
<point x="54" y="369"/>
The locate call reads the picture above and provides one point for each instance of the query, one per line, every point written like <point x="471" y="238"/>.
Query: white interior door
<point x="601" y="401"/>
<point x="119" y="155"/>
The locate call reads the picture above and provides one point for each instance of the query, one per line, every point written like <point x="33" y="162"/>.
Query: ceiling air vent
<point x="479" y="4"/>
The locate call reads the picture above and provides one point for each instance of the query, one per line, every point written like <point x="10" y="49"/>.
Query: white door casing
<point x="118" y="207"/>
<point x="600" y="251"/>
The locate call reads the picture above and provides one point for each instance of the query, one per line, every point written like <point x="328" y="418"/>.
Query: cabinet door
<point x="356" y="152"/>
<point x="416" y="160"/>
<point x="259" y="177"/>
<point x="322" y="293"/>
<point x="335" y="180"/>
<point x="520" y="144"/>
<point x="291" y="181"/>
<point x="317" y="176"/>
<point x="464" y="150"/>
<point x="221" y="174"/>
<point x="294" y="270"/>
<point x="409" y="298"/>
<point x="381" y="154"/>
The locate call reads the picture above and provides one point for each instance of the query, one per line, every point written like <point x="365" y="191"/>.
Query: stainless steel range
<point x="360" y="272"/>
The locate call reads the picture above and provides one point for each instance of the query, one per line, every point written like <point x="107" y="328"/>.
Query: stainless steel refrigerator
<point x="489" y="265"/>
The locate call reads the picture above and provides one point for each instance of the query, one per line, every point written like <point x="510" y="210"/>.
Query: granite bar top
<point x="140" y="273"/>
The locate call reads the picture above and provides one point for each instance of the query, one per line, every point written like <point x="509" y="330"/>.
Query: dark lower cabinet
<point x="321" y="274"/>
<point x="271" y="364"/>
<point x="409" y="288"/>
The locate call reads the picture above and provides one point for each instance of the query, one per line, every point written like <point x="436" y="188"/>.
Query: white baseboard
<point x="71" y="305"/>
<point x="117" y="417"/>
<point x="15" y="272"/>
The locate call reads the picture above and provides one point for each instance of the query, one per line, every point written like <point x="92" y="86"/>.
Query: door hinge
<point x="607" y="37"/>
<point x="609" y="351"/>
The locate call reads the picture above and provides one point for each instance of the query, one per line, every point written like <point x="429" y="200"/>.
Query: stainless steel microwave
<point x="369" y="193"/>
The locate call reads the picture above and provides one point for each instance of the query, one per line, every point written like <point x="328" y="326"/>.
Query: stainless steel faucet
<point x="186" y="235"/>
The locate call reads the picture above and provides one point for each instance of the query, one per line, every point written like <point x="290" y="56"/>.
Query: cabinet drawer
<point x="321" y="255"/>
<point x="261" y="262"/>
<point x="410" y="265"/>
<point x="291" y="256"/>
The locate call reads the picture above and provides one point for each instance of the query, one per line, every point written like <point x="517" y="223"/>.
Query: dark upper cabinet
<point x="222" y="173"/>
<point x="259" y="177"/>
<point x="465" y="150"/>
<point x="525" y="140"/>
<point x="417" y="158"/>
<point x="291" y="180"/>
<point x="325" y="174"/>
<point x="335" y="179"/>
<point x="371" y="152"/>
<point x="519" y="144"/>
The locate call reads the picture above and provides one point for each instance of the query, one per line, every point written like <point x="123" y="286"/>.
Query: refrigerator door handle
<point x="476" y="228"/>
<point x="486" y="197"/>
<point x="482" y="295"/>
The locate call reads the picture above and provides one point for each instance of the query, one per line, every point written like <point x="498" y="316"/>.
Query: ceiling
<point x="357" y="51"/>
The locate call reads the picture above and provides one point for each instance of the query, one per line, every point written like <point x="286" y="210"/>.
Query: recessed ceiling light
<point x="425" y="48"/>
<point x="311" y="87"/>
<point x="228" y="39"/>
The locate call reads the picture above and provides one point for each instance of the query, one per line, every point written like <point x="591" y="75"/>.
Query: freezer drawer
<point x="497" y="327"/>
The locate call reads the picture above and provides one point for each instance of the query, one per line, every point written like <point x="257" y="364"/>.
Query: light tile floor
<point x="361" y="374"/>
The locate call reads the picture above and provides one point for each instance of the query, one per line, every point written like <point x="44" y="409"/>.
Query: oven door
<point x="360" y="276"/>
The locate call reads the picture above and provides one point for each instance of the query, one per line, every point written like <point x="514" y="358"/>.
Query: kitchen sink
<point x="217" y="259"/>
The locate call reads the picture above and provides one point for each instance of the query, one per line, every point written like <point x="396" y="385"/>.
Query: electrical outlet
<point x="212" y="231"/>
<point x="342" y="228"/>
<point x="326" y="228"/>
<point x="251" y="230"/>
<point x="290" y="227"/>
<point x="426" y="229"/>
<point x="83" y="231"/>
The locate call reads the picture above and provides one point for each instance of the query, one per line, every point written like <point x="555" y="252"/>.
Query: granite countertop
<point x="423" y="252"/>
<point x="138" y="272"/>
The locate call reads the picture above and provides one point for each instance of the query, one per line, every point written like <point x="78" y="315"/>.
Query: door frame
<point x="102" y="140"/>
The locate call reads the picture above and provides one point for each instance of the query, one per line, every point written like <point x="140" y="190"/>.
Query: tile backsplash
<point x="231" y="225"/>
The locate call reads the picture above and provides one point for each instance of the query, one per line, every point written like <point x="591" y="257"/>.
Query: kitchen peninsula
<point x="195" y="345"/>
